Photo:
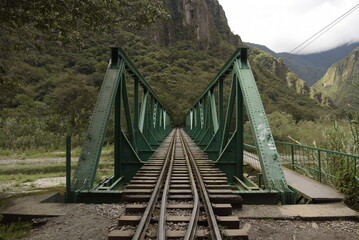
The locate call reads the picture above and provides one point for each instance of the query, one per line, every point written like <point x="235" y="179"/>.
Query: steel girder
<point x="140" y="126"/>
<point x="207" y="125"/>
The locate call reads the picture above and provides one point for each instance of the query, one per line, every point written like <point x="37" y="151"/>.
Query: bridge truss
<point x="221" y="136"/>
<point x="139" y="128"/>
<point x="141" y="125"/>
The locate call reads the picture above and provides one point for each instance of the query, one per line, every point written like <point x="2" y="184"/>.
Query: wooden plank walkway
<point x="306" y="187"/>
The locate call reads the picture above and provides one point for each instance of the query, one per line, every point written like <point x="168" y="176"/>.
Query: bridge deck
<point x="307" y="187"/>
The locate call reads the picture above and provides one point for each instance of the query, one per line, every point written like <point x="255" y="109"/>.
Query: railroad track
<point x="179" y="194"/>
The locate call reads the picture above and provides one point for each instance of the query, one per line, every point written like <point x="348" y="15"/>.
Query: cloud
<point x="283" y="25"/>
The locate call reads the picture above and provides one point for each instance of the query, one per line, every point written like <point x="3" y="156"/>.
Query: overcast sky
<point x="282" y="25"/>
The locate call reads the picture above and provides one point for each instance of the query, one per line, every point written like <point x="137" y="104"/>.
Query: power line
<point x="356" y="7"/>
<point x="324" y="30"/>
<point x="316" y="38"/>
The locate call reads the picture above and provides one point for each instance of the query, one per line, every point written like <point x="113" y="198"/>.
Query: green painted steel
<point x="140" y="126"/>
<point x="226" y="145"/>
<point x="90" y="155"/>
<point x="68" y="194"/>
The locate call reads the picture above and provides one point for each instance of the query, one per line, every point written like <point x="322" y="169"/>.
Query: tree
<point x="31" y="24"/>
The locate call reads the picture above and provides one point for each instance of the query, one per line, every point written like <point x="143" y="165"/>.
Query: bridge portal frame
<point x="226" y="148"/>
<point x="139" y="128"/>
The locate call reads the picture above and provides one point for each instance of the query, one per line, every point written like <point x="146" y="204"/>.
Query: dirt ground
<point x="89" y="221"/>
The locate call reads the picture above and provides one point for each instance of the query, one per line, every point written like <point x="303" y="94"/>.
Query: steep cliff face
<point x="287" y="77"/>
<point x="341" y="81"/>
<point x="200" y="20"/>
<point x="280" y="70"/>
<point x="321" y="97"/>
<point x="280" y="89"/>
<point x="195" y="43"/>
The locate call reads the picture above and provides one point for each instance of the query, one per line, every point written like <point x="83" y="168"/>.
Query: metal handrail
<point x="318" y="149"/>
<point x="314" y="158"/>
<point x="309" y="147"/>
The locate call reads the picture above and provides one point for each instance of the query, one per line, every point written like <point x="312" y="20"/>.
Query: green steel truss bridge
<point x="215" y="124"/>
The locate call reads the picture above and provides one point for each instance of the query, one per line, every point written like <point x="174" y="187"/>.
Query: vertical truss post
<point x="142" y="118"/>
<point x="135" y="104"/>
<point x="220" y="106"/>
<point x="195" y="120"/>
<point x="204" y="125"/>
<point x="156" y="121"/>
<point x="229" y="159"/>
<point x="69" y="194"/>
<point x="211" y="120"/>
<point x="117" y="142"/>
<point x="126" y="104"/>
<point x="152" y="111"/>
<point x="239" y="131"/>
<point x="191" y="120"/>
<point x="214" y="145"/>
<point x="228" y="119"/>
<point x="199" y="120"/>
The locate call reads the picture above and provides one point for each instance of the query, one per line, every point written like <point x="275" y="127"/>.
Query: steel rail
<point x="211" y="218"/>
<point x="192" y="225"/>
<point x="161" y="229"/>
<point x="146" y="217"/>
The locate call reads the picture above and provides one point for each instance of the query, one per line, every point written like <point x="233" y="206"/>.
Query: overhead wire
<point x="318" y="34"/>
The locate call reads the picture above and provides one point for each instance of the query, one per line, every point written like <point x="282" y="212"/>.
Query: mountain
<point x="263" y="48"/>
<point x="311" y="67"/>
<point x="178" y="58"/>
<point x="203" y="21"/>
<point x="341" y="81"/>
<point x="283" y="90"/>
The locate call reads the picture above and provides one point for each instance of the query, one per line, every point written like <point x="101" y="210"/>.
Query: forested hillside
<point x="54" y="88"/>
<point x="341" y="81"/>
<point x="311" y="67"/>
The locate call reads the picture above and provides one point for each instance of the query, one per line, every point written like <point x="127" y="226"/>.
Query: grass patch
<point x="32" y="168"/>
<point x="43" y="153"/>
<point x="14" y="230"/>
<point x="43" y="168"/>
<point x="20" y="175"/>
<point x="22" y="178"/>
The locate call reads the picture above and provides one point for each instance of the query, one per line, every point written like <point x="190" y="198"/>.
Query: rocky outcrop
<point x="200" y="20"/>
<point x="280" y="69"/>
<point x="298" y="84"/>
<point x="341" y="81"/>
<point x="321" y="97"/>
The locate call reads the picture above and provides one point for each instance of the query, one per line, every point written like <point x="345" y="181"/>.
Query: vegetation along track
<point x="179" y="194"/>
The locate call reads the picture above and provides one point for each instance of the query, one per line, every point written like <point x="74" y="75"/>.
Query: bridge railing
<point x="320" y="164"/>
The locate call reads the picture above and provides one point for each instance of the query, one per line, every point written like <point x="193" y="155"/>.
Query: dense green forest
<point x="58" y="86"/>
<point x="49" y="90"/>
